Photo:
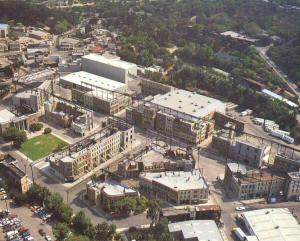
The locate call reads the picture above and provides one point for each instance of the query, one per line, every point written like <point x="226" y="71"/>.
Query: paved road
<point x="263" y="53"/>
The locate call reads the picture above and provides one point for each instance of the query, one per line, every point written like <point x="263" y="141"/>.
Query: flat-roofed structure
<point x="114" y="69"/>
<point x="246" y="182"/>
<point x="187" y="105"/>
<point x="96" y="92"/>
<point x="272" y="224"/>
<point x="196" y="230"/>
<point x="176" y="187"/>
<point x="107" y="192"/>
<point x="179" y="113"/>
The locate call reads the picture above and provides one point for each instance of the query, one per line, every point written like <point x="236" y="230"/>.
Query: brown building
<point x="84" y="156"/>
<point x="9" y="169"/>
<point x="284" y="163"/>
<point x="292" y="187"/>
<point x="248" y="183"/>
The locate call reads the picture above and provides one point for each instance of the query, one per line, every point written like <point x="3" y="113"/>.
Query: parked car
<point x="241" y="208"/>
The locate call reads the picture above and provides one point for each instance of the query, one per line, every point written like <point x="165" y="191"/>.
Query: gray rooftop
<point x="184" y="103"/>
<point x="272" y="224"/>
<point x="178" y="181"/>
<point x="203" y="230"/>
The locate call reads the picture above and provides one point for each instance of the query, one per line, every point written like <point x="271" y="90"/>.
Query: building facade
<point x="10" y="170"/>
<point x="247" y="183"/>
<point x="292" y="186"/>
<point x="114" y="69"/>
<point x="107" y="192"/>
<point x="182" y="114"/>
<point x="74" y="162"/>
<point x="175" y="187"/>
<point x="97" y="93"/>
<point x="149" y="87"/>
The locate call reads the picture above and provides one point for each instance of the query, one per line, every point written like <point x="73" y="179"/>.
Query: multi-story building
<point x="292" y="186"/>
<point x="74" y="162"/>
<point x="37" y="34"/>
<point x="176" y="187"/>
<point x="150" y="87"/>
<point x="248" y="183"/>
<point x="285" y="163"/>
<point x="241" y="149"/>
<point x="105" y="193"/>
<point x="68" y="43"/>
<point x="249" y="152"/>
<point x="9" y="169"/>
<point x="179" y="113"/>
<point x="27" y="100"/>
<point x="97" y="93"/>
<point x="110" y="68"/>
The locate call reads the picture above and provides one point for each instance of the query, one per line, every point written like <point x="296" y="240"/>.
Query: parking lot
<point x="23" y="221"/>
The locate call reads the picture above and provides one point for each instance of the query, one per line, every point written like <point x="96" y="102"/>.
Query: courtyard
<point x="41" y="146"/>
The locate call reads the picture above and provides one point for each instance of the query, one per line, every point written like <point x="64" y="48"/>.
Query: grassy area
<point x="41" y="146"/>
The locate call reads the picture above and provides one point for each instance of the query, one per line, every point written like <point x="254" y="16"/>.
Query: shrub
<point x="47" y="130"/>
<point x="36" y="127"/>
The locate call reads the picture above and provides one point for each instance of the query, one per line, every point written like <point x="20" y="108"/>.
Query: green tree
<point x="81" y="223"/>
<point x="65" y="213"/>
<point x="104" y="231"/>
<point x="15" y="135"/>
<point x="153" y="212"/>
<point x="36" y="193"/>
<point x="53" y="202"/>
<point x="61" y="231"/>
<point x="78" y="238"/>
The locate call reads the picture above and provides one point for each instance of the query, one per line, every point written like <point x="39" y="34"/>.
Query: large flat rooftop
<point x="109" y="61"/>
<point x="272" y="224"/>
<point x="197" y="230"/>
<point x="92" y="81"/>
<point x="178" y="181"/>
<point x="112" y="188"/>
<point x="186" y="104"/>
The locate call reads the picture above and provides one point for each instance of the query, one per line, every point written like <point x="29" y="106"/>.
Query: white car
<point x="240" y="208"/>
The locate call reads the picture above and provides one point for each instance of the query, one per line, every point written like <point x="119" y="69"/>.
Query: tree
<point x="65" y="213"/>
<point x="153" y="212"/>
<point x="20" y="198"/>
<point x="81" y="223"/>
<point x="61" y="231"/>
<point x="53" y="202"/>
<point x="15" y="135"/>
<point x="104" y="231"/>
<point x="47" y="130"/>
<point x="36" y="193"/>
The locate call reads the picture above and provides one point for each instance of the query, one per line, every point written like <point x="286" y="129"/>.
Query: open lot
<point x="41" y="146"/>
